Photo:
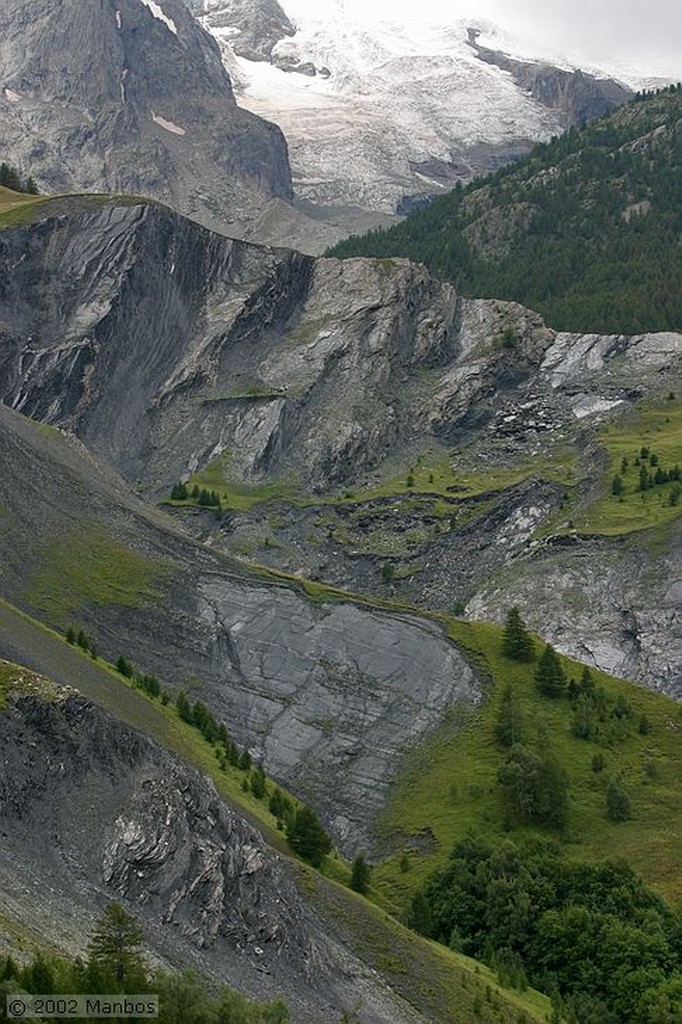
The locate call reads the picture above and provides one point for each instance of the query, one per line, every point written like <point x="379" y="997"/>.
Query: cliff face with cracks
<point x="92" y="811"/>
<point x="165" y="348"/>
<point x="132" y="97"/>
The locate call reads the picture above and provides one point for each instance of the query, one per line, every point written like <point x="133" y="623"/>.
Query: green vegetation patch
<point x="448" y="987"/>
<point x="646" y="444"/>
<point x="218" y="477"/>
<point x="88" y="566"/>
<point x="449" y="785"/>
<point x="17" y="208"/>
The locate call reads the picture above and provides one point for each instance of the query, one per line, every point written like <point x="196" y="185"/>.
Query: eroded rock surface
<point x="132" y="97"/>
<point x="92" y="811"/>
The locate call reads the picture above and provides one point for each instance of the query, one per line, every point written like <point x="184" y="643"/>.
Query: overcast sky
<point x="648" y="35"/>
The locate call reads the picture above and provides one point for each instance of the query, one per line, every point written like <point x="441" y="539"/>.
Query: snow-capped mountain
<point x="375" y="111"/>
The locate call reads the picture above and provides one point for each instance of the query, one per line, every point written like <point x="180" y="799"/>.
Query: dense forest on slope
<point x="587" y="229"/>
<point x="606" y="948"/>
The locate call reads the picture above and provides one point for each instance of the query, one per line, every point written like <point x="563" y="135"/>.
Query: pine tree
<point x="517" y="642"/>
<point x="124" y="667"/>
<point x="550" y="678"/>
<point x="360" y="874"/>
<point x="509" y="725"/>
<point x="183" y="708"/>
<point x="617" y="803"/>
<point x="115" y="941"/>
<point x="306" y="835"/>
<point x="258" y="783"/>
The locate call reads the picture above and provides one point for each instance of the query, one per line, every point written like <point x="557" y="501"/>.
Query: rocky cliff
<point x="166" y="349"/>
<point x="577" y="96"/>
<point x="92" y="811"/>
<point x="132" y="96"/>
<point x="328" y="694"/>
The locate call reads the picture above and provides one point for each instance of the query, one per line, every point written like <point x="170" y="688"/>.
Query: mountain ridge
<point x="584" y="229"/>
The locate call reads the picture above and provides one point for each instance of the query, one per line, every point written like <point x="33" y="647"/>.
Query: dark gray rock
<point x="256" y="25"/>
<point x="92" y="811"/>
<point x="129" y="97"/>
<point x="579" y="97"/>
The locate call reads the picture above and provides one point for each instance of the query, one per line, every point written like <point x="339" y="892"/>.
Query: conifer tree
<point x="509" y="725"/>
<point x="360" y="874"/>
<point x="517" y="642"/>
<point x="550" y="678"/>
<point x="306" y="835"/>
<point x="115" y="941"/>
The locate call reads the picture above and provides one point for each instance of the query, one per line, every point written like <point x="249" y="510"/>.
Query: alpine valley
<point x="340" y="596"/>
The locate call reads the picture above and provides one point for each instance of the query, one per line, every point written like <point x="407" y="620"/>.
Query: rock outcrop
<point x="256" y="25"/>
<point x="131" y="96"/>
<point x="577" y="96"/>
<point x="92" y="811"/>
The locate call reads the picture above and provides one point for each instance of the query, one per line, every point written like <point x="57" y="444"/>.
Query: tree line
<point x="594" y="242"/>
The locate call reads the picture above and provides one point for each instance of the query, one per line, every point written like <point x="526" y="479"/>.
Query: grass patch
<point x="449" y="786"/>
<point x="16" y="208"/>
<point x="216" y="476"/>
<point x="659" y="430"/>
<point x="434" y="475"/>
<point x="88" y="566"/>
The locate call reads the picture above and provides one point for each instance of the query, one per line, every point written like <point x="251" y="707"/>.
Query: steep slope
<point x="132" y="97"/>
<point x="326" y="694"/>
<point x="424" y="443"/>
<point x="380" y="113"/>
<point x="122" y="818"/>
<point x="585" y="230"/>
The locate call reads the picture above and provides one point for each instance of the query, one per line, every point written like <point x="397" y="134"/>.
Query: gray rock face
<point x="329" y="695"/>
<point x="130" y="96"/>
<point x="577" y="96"/>
<point x="95" y="798"/>
<point x="92" y="811"/>
<point x="607" y="602"/>
<point x="173" y="346"/>
<point x="257" y="25"/>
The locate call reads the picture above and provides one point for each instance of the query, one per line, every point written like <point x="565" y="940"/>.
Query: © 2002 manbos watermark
<point x="25" y="1007"/>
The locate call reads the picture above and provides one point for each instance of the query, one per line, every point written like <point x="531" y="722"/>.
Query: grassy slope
<point x="660" y="430"/>
<point x="16" y="208"/>
<point x="89" y="566"/>
<point x="449" y="786"/>
<point x="455" y="989"/>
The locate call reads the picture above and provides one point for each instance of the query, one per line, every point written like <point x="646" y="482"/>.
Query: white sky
<point x="647" y="36"/>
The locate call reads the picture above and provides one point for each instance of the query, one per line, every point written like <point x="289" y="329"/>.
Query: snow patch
<point x="157" y="11"/>
<point x="11" y="95"/>
<point x="119" y="23"/>
<point x="170" y="126"/>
